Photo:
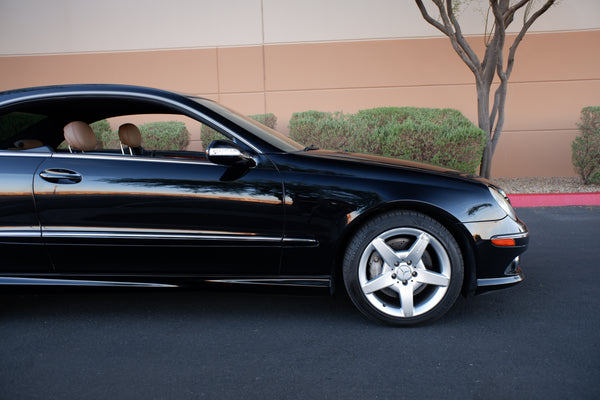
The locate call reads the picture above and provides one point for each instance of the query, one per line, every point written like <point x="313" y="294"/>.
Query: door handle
<point x="60" y="176"/>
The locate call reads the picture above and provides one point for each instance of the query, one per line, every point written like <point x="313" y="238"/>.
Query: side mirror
<point x="225" y="152"/>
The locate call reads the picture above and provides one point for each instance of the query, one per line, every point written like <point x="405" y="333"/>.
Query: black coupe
<point x="110" y="206"/>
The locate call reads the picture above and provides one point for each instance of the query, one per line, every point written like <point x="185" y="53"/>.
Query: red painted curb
<point x="555" y="199"/>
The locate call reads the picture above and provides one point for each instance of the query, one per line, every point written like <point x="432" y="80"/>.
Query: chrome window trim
<point x="24" y="153"/>
<point x="118" y="157"/>
<point x="134" y="95"/>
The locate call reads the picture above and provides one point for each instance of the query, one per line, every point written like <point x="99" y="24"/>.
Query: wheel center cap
<point x="404" y="272"/>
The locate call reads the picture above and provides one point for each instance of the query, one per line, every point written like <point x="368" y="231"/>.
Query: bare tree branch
<point x="462" y="42"/>
<point x="517" y="6"/>
<point x="521" y="35"/>
<point x="510" y="11"/>
<point x="496" y="46"/>
<point x="430" y="19"/>
<point x="451" y="32"/>
<point x="446" y="28"/>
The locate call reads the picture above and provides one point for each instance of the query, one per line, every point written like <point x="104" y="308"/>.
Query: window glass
<point x="13" y="127"/>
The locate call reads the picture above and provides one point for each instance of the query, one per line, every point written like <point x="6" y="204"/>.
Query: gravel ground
<point x="545" y="185"/>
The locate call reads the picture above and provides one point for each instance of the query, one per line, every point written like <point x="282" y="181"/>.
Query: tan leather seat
<point x="79" y="136"/>
<point x="130" y="136"/>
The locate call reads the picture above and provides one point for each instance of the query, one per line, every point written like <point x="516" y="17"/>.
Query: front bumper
<point x="498" y="245"/>
<point x="512" y="276"/>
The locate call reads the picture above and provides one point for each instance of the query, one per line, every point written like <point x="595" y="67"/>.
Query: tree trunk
<point x="486" y="161"/>
<point x="483" y="118"/>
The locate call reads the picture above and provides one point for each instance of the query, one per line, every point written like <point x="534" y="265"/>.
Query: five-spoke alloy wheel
<point x="403" y="268"/>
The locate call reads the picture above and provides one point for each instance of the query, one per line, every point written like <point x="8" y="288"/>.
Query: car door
<point x="120" y="214"/>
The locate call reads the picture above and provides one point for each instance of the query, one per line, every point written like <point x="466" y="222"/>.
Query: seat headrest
<point x="130" y="135"/>
<point x="80" y="136"/>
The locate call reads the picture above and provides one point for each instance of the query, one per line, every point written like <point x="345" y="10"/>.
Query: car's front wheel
<point x="403" y="268"/>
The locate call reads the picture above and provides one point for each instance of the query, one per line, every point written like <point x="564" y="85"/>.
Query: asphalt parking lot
<point x="538" y="340"/>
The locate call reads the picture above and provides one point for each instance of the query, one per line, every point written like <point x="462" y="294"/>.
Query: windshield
<point x="271" y="136"/>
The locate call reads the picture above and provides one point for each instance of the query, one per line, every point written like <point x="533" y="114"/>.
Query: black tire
<point x="403" y="268"/>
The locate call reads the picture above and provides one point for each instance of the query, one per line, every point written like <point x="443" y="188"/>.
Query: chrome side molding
<point x="314" y="282"/>
<point x="22" y="281"/>
<point x="299" y="282"/>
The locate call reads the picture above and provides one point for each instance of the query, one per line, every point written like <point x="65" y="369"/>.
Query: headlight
<point x="503" y="201"/>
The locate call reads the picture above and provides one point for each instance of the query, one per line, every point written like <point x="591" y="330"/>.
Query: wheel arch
<point x="453" y="225"/>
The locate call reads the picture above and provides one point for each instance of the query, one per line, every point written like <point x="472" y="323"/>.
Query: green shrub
<point x="167" y="135"/>
<point x="436" y="136"/>
<point x="323" y="129"/>
<point x="207" y="134"/>
<point x="586" y="146"/>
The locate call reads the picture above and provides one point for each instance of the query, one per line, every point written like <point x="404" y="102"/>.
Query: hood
<point x="396" y="163"/>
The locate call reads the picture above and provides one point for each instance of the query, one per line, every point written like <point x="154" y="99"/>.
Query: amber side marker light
<point x="504" y="242"/>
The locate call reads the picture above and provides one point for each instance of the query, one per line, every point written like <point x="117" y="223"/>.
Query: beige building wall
<point x="283" y="56"/>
